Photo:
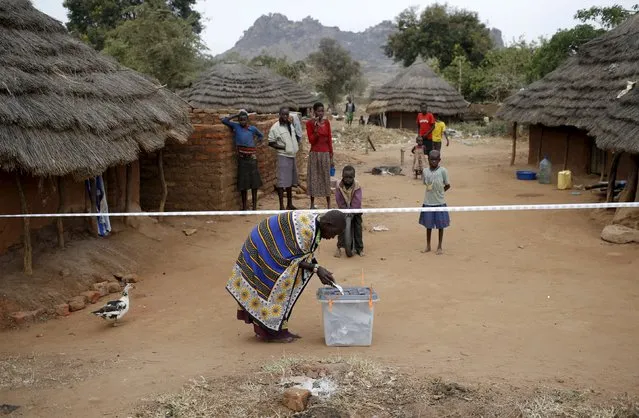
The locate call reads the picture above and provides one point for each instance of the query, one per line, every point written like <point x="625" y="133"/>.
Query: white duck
<point x="116" y="309"/>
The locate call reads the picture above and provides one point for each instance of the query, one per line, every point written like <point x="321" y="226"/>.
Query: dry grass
<point x="37" y="371"/>
<point x="367" y="389"/>
<point x="575" y="404"/>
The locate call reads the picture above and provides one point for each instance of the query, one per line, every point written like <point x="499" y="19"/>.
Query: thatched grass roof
<point x="293" y="91"/>
<point x="232" y="85"/>
<point x="66" y="109"/>
<point x="582" y="88"/>
<point x="415" y="85"/>
<point x="618" y="127"/>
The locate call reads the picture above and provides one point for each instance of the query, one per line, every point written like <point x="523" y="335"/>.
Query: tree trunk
<point x="513" y="155"/>
<point x="61" y="206"/>
<point x="26" y="224"/>
<point x="612" y="176"/>
<point x="165" y="191"/>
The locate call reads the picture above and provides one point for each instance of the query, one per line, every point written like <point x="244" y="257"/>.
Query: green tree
<point x="562" y="45"/>
<point x="91" y="20"/>
<point x="434" y="34"/>
<point x="606" y="17"/>
<point x="157" y="43"/>
<point x="334" y="69"/>
<point x="507" y="70"/>
<point x="280" y="66"/>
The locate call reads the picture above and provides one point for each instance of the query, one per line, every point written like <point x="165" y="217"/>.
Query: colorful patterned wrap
<point x="266" y="279"/>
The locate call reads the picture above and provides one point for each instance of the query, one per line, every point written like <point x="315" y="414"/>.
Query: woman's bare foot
<point x="338" y="253"/>
<point x="361" y="253"/>
<point x="279" y="339"/>
<point x="427" y="250"/>
<point x="290" y="334"/>
<point x="439" y="251"/>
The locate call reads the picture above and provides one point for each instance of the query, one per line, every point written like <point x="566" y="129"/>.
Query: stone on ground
<point x="24" y="317"/>
<point x="77" y="303"/>
<point x="62" y="309"/>
<point x="102" y="288"/>
<point x="114" y="287"/>
<point x="296" y="399"/>
<point x="130" y="278"/>
<point x="619" y="234"/>
<point x="92" y="296"/>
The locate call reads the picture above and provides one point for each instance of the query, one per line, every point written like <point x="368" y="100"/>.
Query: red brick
<point x="91" y="295"/>
<point x="77" y="303"/>
<point x="62" y="309"/>
<point x="21" y="318"/>
<point x="296" y="399"/>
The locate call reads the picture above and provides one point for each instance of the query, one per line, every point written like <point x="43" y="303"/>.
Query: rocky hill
<point x="276" y="35"/>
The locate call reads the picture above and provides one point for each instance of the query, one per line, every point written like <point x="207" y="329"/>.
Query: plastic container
<point x="545" y="171"/>
<point x="348" y="318"/>
<point x="526" y="175"/>
<point x="332" y="171"/>
<point x="564" y="180"/>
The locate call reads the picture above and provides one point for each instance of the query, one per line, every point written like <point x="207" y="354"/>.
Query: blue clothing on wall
<point x="243" y="136"/>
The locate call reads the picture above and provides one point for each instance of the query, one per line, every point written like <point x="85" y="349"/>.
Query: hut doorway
<point x="597" y="159"/>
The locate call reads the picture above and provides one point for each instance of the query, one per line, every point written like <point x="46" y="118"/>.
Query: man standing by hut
<point x="283" y="138"/>
<point x="248" y="175"/>
<point x="425" y="126"/>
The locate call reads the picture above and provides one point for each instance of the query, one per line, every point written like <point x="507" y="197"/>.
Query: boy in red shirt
<point x="425" y="126"/>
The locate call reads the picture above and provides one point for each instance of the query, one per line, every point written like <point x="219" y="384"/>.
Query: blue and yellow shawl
<point x="266" y="279"/>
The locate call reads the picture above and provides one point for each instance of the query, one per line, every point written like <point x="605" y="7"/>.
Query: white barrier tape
<point x="491" y="208"/>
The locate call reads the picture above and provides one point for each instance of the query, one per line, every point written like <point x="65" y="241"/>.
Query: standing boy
<point x="436" y="182"/>
<point x="248" y="175"/>
<point x="283" y="138"/>
<point x="349" y="111"/>
<point x="349" y="196"/>
<point x="425" y="126"/>
<point x="439" y="132"/>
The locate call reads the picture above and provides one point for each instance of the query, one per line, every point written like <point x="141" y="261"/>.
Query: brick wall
<point x="202" y="174"/>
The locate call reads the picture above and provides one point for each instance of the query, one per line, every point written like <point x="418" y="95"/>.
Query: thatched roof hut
<point x="232" y="85"/>
<point x="618" y="127"/>
<point x="66" y="109"/>
<point x="582" y="88"/>
<point x="415" y="85"/>
<point x="561" y="107"/>
<point x="301" y="98"/>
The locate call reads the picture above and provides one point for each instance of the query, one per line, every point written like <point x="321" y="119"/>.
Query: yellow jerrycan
<point x="564" y="180"/>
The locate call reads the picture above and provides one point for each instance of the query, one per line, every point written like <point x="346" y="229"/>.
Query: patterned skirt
<point x="319" y="174"/>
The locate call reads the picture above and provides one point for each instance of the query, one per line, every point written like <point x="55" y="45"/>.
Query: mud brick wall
<point x="202" y="174"/>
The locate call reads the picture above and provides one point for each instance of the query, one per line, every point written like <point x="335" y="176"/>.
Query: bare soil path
<point x="527" y="298"/>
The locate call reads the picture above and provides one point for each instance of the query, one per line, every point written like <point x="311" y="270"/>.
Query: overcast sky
<point x="225" y="20"/>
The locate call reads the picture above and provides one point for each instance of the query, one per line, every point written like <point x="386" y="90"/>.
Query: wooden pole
<point x="94" y="206"/>
<point x="26" y="224"/>
<point x="165" y="191"/>
<point x="612" y="176"/>
<point x="401" y="159"/>
<point x="632" y="187"/>
<point x="566" y="152"/>
<point x="129" y="191"/>
<point x="514" y="151"/>
<point x="541" y="141"/>
<point x="61" y="206"/>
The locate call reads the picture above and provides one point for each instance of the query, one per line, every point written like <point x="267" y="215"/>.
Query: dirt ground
<point x="523" y="299"/>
